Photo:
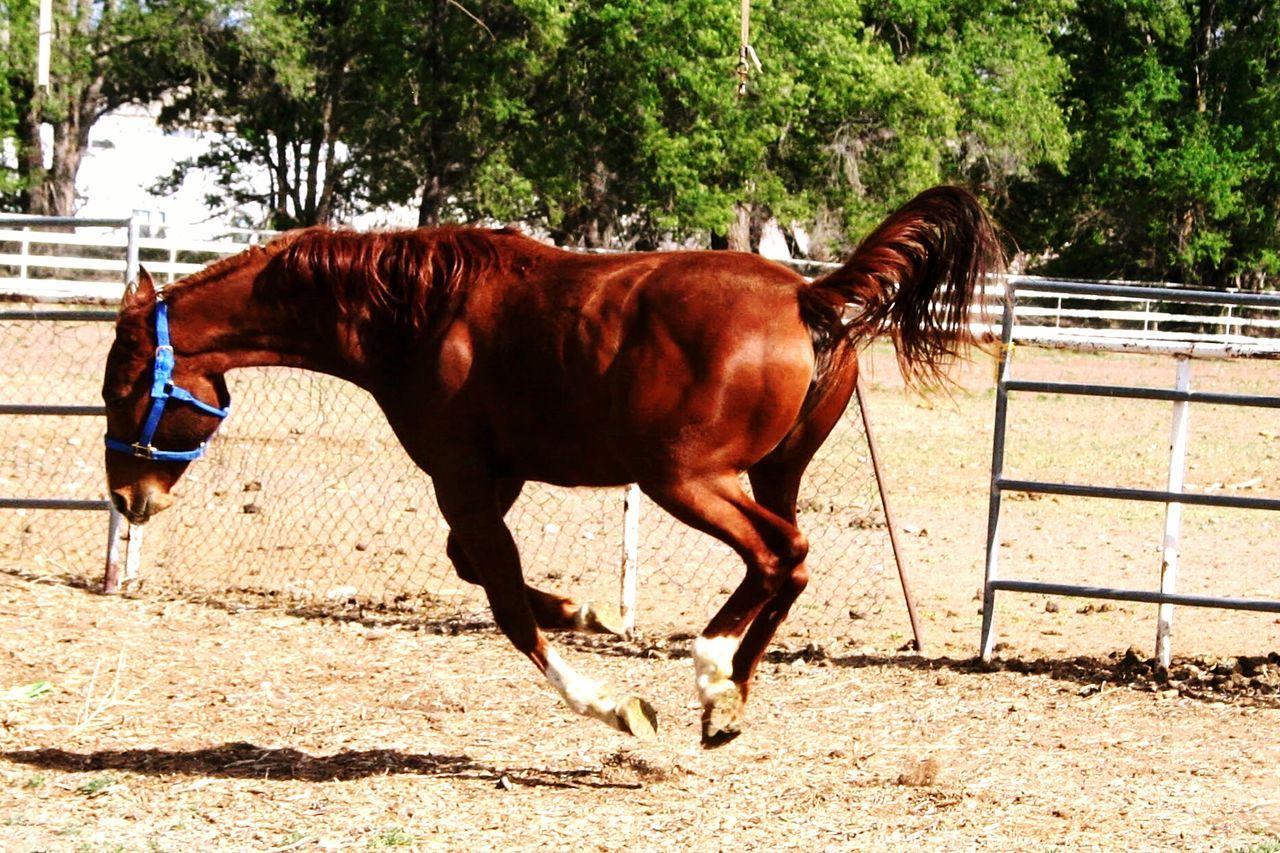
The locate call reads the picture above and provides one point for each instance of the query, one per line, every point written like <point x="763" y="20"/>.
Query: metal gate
<point x="26" y="408"/>
<point x="1182" y="346"/>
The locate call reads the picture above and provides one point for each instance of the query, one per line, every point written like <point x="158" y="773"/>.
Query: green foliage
<point x="26" y="692"/>
<point x="392" y="837"/>
<point x="449" y="86"/>
<point x="1133" y="138"/>
<point x="1176" y="169"/>
<point x="639" y="132"/>
<point x="271" y="77"/>
<point x="866" y="127"/>
<point x="95" y="786"/>
<point x="103" y="55"/>
<point x="1271" y="845"/>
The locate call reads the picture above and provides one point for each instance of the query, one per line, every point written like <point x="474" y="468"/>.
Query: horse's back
<point x="604" y="369"/>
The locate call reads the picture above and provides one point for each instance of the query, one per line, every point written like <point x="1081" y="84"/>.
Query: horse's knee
<point x="798" y="579"/>
<point x="461" y="565"/>
<point x="786" y="571"/>
<point x="794" y="557"/>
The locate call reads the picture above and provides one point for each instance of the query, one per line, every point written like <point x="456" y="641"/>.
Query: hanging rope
<point x="746" y="53"/>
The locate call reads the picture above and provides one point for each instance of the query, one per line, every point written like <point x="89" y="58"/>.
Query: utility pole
<point x="45" y="44"/>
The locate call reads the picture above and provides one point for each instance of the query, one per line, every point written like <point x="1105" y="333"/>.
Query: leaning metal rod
<point x="903" y="575"/>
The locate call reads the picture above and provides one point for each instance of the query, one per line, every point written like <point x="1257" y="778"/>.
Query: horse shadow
<point x="242" y="760"/>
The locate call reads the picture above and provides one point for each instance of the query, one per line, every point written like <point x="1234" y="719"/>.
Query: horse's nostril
<point x="120" y="503"/>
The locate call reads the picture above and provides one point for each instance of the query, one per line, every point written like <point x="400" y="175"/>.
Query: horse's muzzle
<point x="137" y="503"/>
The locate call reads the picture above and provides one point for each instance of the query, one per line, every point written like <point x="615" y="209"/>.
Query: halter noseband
<point x="162" y="391"/>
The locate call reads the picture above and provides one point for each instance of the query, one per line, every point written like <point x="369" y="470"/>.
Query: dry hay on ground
<point x="178" y="725"/>
<point x="235" y="724"/>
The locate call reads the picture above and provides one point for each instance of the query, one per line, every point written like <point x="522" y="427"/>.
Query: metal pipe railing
<point x="1174" y="497"/>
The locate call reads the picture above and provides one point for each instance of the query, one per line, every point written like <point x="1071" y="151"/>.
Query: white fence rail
<point x="1139" y="317"/>
<point x="79" y="260"/>
<point x="71" y="259"/>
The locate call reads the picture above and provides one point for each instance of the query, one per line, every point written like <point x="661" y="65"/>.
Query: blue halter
<point x="162" y="391"/>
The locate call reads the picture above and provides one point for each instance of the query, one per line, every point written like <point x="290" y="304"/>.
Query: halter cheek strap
<point x="162" y="391"/>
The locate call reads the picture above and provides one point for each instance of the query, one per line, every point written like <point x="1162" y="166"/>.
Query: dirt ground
<point x="178" y="723"/>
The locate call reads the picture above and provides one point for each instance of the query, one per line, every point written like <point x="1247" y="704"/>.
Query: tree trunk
<point x="59" y="188"/>
<point x="330" y="179"/>
<point x="433" y="199"/>
<point x="1202" y="42"/>
<point x="280" y="217"/>
<point x="52" y="191"/>
<point x="31" y="171"/>
<point x="434" y="192"/>
<point x="738" y="237"/>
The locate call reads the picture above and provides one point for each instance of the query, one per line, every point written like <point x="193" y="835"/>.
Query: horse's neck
<point x="229" y="326"/>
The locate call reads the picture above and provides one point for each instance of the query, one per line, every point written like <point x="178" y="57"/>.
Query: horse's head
<point x="161" y="407"/>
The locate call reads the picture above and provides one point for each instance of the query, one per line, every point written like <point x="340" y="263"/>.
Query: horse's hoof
<point x="637" y="717"/>
<point x="710" y="740"/>
<point x="722" y="719"/>
<point x="599" y="619"/>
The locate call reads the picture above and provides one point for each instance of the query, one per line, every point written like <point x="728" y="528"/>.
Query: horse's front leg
<point x="483" y="539"/>
<point x="552" y="612"/>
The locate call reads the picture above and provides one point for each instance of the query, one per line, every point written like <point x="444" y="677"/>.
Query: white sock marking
<point x="586" y="697"/>
<point x="713" y="666"/>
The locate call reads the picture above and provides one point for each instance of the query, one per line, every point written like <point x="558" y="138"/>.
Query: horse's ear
<point x="140" y="292"/>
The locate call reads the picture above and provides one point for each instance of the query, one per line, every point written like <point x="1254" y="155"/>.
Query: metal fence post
<point x="630" y="582"/>
<point x="23" y="269"/>
<point x="117" y="573"/>
<point x="1173" y="511"/>
<point x="131" y="263"/>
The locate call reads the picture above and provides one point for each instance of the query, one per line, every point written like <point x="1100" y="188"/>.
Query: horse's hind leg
<point x="773" y="550"/>
<point x="482" y="538"/>
<point x="730" y="648"/>
<point x="775" y="487"/>
<point x="775" y="484"/>
<point x="552" y="612"/>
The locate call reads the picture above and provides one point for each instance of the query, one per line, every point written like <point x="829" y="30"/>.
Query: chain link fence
<point x="307" y="497"/>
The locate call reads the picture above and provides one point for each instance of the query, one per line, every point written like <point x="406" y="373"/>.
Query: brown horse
<point x="498" y="360"/>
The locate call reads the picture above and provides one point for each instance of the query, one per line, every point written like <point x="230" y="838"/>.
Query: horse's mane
<point x="410" y="278"/>
<point x="214" y="270"/>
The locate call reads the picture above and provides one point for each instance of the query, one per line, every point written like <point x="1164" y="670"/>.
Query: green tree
<point x="638" y="130"/>
<point x="1176" y="169"/>
<point x="449" y="91"/>
<point x="849" y="117"/>
<point x="277" y="82"/>
<point x="104" y="54"/>
<point x="866" y="126"/>
<point x="348" y="105"/>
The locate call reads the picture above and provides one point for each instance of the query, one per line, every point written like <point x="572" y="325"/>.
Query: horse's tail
<point x="916" y="278"/>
